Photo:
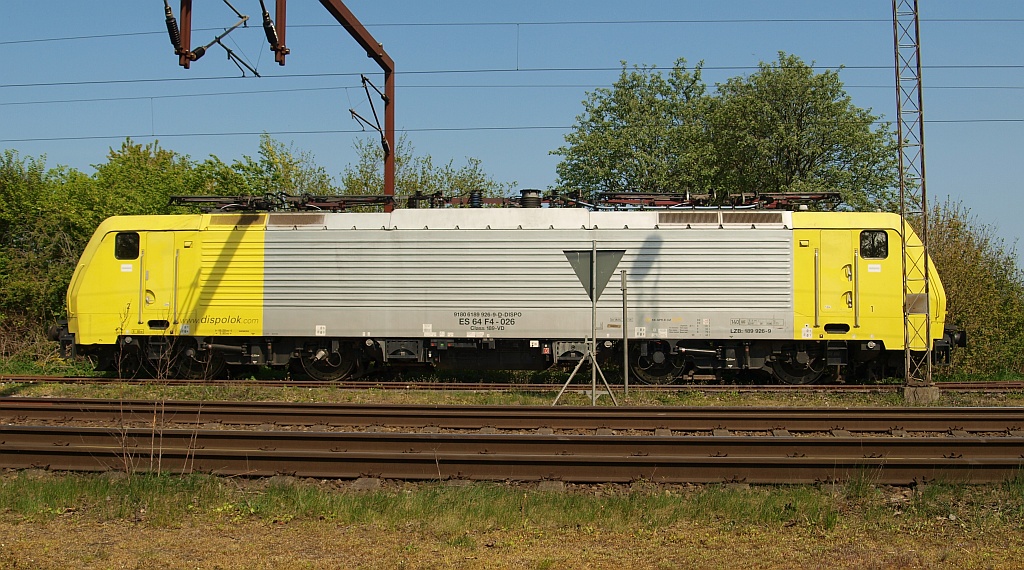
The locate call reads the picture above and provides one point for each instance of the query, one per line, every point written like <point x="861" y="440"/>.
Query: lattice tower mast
<point x="913" y="195"/>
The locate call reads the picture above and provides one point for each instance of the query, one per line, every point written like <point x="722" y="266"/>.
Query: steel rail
<point x="767" y="459"/>
<point x="878" y="420"/>
<point x="1008" y="386"/>
<point x="145" y="439"/>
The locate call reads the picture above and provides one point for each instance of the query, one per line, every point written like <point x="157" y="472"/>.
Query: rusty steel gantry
<point x="276" y="36"/>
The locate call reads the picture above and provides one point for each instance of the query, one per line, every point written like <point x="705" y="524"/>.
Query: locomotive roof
<point x="509" y="218"/>
<point x="530" y="219"/>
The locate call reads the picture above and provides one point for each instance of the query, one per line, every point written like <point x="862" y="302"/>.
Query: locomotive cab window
<point x="126" y="245"/>
<point x="874" y="244"/>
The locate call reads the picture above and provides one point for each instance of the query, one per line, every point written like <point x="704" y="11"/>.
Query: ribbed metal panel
<point x="408" y="278"/>
<point x="748" y="217"/>
<point x="237" y="219"/>
<point x="231" y="271"/>
<point x="725" y="218"/>
<point x="443" y="269"/>
<point x="295" y="220"/>
<point x="695" y="217"/>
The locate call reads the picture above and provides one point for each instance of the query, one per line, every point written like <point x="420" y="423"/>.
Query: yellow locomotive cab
<point x="848" y="275"/>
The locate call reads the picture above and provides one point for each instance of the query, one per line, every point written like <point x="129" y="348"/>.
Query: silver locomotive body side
<point x="478" y="274"/>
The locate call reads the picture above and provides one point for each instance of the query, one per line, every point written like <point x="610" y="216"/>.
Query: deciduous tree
<point x="786" y="128"/>
<point x="647" y="133"/>
<point x="416" y="173"/>
<point x="278" y="168"/>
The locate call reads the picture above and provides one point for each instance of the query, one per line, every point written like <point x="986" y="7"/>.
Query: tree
<point x="648" y="133"/>
<point x="416" y="173"/>
<point x="279" y="168"/>
<point x="46" y="219"/>
<point x="786" y="128"/>
<point x="140" y="179"/>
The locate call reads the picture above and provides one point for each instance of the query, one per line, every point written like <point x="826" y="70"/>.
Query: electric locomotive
<point x="797" y="295"/>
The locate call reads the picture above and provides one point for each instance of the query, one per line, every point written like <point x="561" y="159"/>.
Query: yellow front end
<point x="188" y="275"/>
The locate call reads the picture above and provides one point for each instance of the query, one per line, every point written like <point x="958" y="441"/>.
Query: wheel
<point x="789" y="371"/>
<point x="658" y="367"/>
<point x="326" y="366"/>
<point x="198" y="365"/>
<point x="130" y="364"/>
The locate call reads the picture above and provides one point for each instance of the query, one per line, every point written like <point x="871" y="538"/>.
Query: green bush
<point x="984" y="291"/>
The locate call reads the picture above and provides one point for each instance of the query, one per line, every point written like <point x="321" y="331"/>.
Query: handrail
<point x="856" y="288"/>
<point x="142" y="282"/>
<point x="174" y="292"/>
<point x="817" y="288"/>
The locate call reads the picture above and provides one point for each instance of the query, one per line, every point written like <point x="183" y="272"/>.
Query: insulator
<point x="476" y="199"/>
<point x="172" y="28"/>
<point x="530" y="198"/>
<point x="271" y="31"/>
<point x="198" y="53"/>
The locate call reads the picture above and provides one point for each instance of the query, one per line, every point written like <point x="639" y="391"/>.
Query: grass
<point x="166" y="500"/>
<point x="52" y="365"/>
<point x="98" y="521"/>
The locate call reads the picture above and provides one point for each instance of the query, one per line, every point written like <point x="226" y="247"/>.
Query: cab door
<point x="157" y="282"/>
<point x="879" y="286"/>
<point x="837" y="265"/>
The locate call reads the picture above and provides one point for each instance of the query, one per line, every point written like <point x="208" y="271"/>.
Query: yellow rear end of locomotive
<point x="848" y="280"/>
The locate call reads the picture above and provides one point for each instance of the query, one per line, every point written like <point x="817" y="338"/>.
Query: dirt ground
<point x="66" y="543"/>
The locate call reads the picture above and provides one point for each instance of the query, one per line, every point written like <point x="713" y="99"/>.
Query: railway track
<point x="1010" y="386"/>
<point x="805" y="445"/>
<point x="394" y="416"/>
<point x="588" y="459"/>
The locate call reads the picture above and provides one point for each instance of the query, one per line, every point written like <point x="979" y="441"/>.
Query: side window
<point x="874" y="244"/>
<point x="126" y="245"/>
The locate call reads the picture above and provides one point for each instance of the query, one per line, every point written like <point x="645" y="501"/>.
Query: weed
<point x="462" y="541"/>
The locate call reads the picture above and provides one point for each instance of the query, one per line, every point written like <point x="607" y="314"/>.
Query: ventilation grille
<point x="237" y="219"/>
<point x="295" y="220"/>
<point x="747" y="218"/>
<point x="725" y="218"/>
<point x="703" y="218"/>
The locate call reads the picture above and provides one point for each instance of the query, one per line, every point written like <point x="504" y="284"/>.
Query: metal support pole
<point x="389" y="136"/>
<point x="593" y="323"/>
<point x="625" y="335"/>
<point x="281" y="15"/>
<point x="590" y="352"/>
<point x="186" y="33"/>
<point x="913" y="194"/>
<point x="375" y="51"/>
<point x="571" y="376"/>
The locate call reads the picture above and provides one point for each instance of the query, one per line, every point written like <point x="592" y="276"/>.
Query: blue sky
<point x="498" y="81"/>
